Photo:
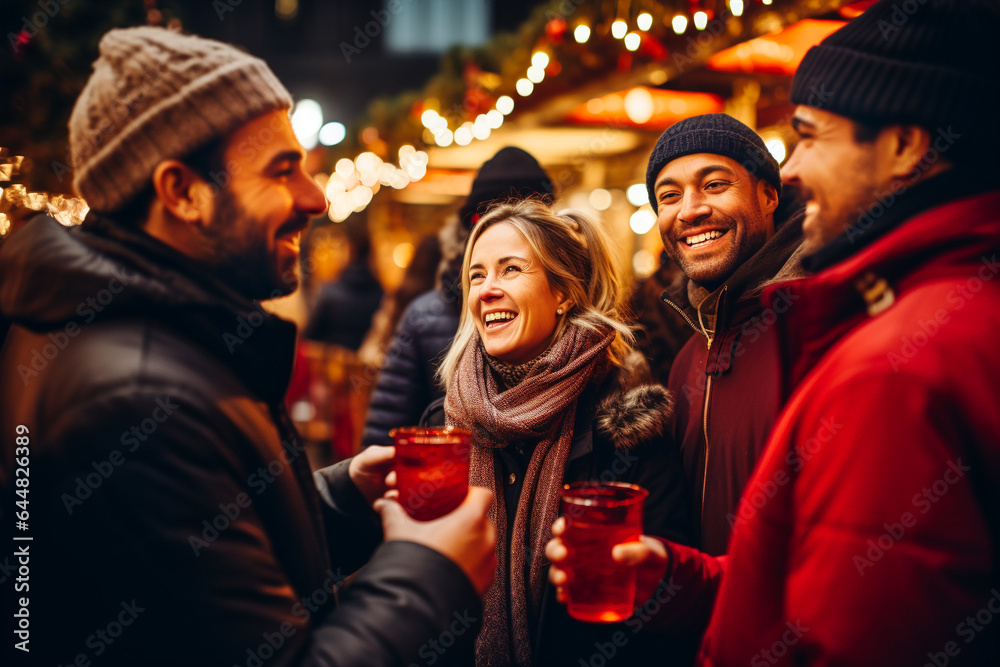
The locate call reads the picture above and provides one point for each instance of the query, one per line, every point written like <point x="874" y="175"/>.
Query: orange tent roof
<point x="779" y="53"/>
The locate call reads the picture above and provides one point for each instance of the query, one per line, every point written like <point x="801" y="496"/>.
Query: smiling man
<point x="146" y="388"/>
<point x="869" y="533"/>
<point x="715" y="189"/>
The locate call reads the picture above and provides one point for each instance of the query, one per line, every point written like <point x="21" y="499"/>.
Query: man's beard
<point x="242" y="252"/>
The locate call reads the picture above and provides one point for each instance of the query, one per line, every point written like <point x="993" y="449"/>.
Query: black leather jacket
<point x="174" y="516"/>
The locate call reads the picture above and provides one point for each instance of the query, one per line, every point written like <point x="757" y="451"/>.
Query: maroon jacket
<point x="726" y="384"/>
<point x="869" y="533"/>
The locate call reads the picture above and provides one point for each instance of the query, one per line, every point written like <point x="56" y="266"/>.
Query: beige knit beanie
<point x="156" y="94"/>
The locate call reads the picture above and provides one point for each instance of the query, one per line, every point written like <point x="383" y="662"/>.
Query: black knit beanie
<point x="511" y="173"/>
<point x="931" y="63"/>
<point x="715" y="133"/>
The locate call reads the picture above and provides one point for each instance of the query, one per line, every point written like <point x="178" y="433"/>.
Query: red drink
<point x="599" y="516"/>
<point x="432" y="469"/>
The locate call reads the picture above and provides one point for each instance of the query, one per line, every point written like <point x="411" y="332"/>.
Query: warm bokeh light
<point x="505" y="104"/>
<point x="636" y="194"/>
<point x="776" y="147"/>
<point x="639" y="106"/>
<point x="402" y="254"/>
<point x="643" y="264"/>
<point x="307" y="119"/>
<point x="618" y="29"/>
<point x="344" y="167"/>
<point x="680" y="24"/>
<point x="524" y="87"/>
<point x="463" y="136"/>
<point x="600" y="199"/>
<point x="444" y="138"/>
<point x="644" y="21"/>
<point x="581" y="34"/>
<point x="632" y="41"/>
<point x="332" y="133"/>
<point x="494" y="119"/>
<point x="642" y="221"/>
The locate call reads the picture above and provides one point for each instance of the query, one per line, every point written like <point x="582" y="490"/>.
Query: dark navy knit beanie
<point x="510" y="174"/>
<point x="931" y="63"/>
<point x="715" y="133"/>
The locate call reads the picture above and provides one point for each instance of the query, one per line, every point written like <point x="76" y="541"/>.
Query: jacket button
<point x="512" y="478"/>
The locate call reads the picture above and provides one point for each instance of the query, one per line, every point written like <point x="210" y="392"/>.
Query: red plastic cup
<point x="598" y="516"/>
<point x="432" y="469"/>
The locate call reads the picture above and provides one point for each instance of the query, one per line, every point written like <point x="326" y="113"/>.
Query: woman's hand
<point x="648" y="556"/>
<point x="368" y="470"/>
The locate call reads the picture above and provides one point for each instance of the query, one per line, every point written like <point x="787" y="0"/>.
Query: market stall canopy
<point x="779" y="53"/>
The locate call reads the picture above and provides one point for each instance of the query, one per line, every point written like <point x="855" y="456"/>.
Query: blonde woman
<point x="543" y="371"/>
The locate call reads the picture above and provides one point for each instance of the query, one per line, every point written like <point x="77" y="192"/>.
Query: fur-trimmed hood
<point x="632" y="409"/>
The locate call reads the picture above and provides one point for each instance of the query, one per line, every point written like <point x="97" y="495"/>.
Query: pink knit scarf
<point x="540" y="409"/>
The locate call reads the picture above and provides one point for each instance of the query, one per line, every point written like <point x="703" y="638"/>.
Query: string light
<point x="505" y="104"/>
<point x="463" y="136"/>
<point x="644" y="21"/>
<point x="540" y="59"/>
<point x="632" y="41"/>
<point x="618" y="29"/>
<point x="535" y="74"/>
<point x="679" y="24"/>
<point x="642" y="221"/>
<point x="736" y="7"/>
<point x="581" y="34"/>
<point x="524" y="87"/>
<point x="700" y="20"/>
<point x="636" y="194"/>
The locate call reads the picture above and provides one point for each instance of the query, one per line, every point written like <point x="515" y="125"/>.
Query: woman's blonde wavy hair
<point x="576" y="255"/>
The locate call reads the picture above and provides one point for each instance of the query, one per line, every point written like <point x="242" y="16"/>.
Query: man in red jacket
<point x="869" y="532"/>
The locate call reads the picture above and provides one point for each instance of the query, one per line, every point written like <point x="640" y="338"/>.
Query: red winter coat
<point x="868" y="534"/>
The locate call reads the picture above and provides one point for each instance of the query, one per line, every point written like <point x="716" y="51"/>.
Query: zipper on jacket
<point x="682" y="314"/>
<point x="704" y="479"/>
<point x="708" y="393"/>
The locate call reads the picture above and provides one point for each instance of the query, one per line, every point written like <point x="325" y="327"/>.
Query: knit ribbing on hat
<point x="718" y="134"/>
<point x="921" y="62"/>
<point x="512" y="173"/>
<point x="155" y="95"/>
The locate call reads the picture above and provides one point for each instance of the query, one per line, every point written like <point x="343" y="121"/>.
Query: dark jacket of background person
<point x="725" y="379"/>
<point x="420" y="277"/>
<point x="407" y="384"/>
<point x="169" y="491"/>
<point x="344" y="308"/>
<point x="869" y="531"/>
<point x="620" y="434"/>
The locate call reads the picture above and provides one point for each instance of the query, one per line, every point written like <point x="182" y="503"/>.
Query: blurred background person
<point x="340" y="319"/>
<point x="408" y="383"/>
<point x="419" y="278"/>
<point x="342" y="313"/>
<point x="544" y="373"/>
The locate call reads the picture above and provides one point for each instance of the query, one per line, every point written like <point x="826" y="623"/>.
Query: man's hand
<point x="368" y="470"/>
<point x="466" y="535"/>
<point x="648" y="556"/>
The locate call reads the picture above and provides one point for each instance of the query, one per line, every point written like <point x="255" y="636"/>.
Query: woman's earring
<point x="559" y="312"/>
